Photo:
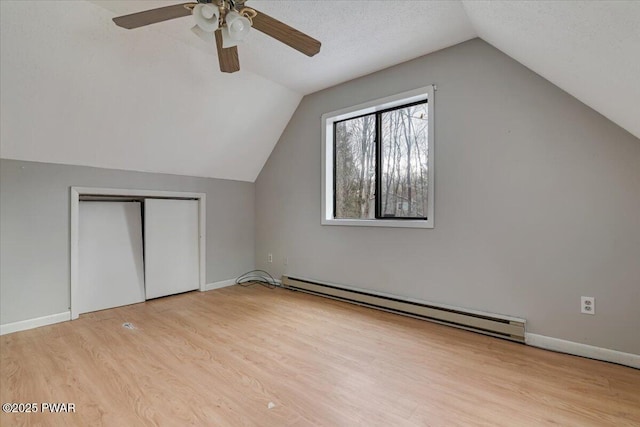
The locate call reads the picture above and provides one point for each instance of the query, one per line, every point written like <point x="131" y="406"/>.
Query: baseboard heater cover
<point x="506" y="327"/>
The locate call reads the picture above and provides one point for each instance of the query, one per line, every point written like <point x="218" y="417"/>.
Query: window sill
<point x="392" y="223"/>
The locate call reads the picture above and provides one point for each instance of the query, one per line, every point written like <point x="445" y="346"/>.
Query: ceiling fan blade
<point x="286" y="34"/>
<point x="228" y="58"/>
<point x="152" y="16"/>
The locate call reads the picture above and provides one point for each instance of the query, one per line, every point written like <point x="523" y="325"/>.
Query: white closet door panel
<point x="111" y="268"/>
<point x="171" y="247"/>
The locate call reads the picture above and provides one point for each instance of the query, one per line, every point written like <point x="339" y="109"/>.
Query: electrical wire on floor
<point x="257" y="277"/>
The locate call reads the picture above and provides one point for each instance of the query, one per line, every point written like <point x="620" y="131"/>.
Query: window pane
<point x="355" y="169"/>
<point x="405" y="152"/>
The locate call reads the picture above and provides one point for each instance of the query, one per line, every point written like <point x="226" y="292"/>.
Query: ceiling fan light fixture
<point x="207" y="17"/>
<point x="236" y="29"/>
<point x="206" y="36"/>
<point x="234" y="21"/>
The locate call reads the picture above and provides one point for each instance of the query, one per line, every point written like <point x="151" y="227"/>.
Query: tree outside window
<point x="381" y="164"/>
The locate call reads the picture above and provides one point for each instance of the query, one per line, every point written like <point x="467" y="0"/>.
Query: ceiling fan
<point x="227" y="22"/>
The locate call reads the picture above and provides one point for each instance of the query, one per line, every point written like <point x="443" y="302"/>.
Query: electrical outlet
<point x="269" y="257"/>
<point x="587" y="305"/>
<point x="286" y="260"/>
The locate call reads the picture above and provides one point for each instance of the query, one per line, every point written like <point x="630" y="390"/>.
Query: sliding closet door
<point x="171" y="247"/>
<point x="110" y="255"/>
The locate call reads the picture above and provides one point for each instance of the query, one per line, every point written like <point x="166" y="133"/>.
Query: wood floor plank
<point x="221" y="357"/>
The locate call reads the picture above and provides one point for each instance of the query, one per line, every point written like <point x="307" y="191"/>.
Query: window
<point x="378" y="163"/>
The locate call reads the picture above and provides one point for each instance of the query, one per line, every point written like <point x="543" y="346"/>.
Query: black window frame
<point x="378" y="156"/>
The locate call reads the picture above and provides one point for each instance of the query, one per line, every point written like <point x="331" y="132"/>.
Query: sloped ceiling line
<point x="152" y="99"/>
<point x="590" y="49"/>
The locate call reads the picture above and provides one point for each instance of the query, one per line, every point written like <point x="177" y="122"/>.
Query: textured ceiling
<point x="77" y="90"/>
<point x="153" y="99"/>
<point x="591" y="49"/>
<point x="358" y="37"/>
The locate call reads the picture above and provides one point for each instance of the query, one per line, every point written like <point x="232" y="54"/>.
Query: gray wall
<point x="34" y="229"/>
<point x="537" y="202"/>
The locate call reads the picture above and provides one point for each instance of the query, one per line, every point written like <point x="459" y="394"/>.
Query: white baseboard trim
<point x="584" y="350"/>
<point x="23" y="325"/>
<point x="220" y="284"/>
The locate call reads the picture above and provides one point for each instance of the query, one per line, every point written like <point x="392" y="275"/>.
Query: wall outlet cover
<point x="587" y="305"/>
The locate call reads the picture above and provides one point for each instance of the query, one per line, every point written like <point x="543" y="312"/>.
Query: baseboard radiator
<point x="485" y="323"/>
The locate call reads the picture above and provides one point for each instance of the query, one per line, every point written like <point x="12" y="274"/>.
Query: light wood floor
<point x="219" y="358"/>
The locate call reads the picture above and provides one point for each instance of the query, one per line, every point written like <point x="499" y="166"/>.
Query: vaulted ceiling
<point x="77" y="89"/>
